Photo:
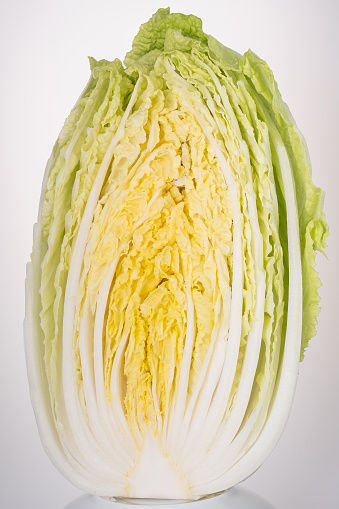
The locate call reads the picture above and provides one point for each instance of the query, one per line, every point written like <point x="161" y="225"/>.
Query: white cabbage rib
<point x="162" y="348"/>
<point x="85" y="440"/>
<point x="67" y="453"/>
<point x="287" y="377"/>
<point x="226" y="450"/>
<point x="209" y="428"/>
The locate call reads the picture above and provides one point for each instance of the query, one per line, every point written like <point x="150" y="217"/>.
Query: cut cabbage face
<point x="172" y="289"/>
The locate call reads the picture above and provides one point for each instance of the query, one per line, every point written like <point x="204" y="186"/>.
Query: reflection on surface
<point x="234" y="498"/>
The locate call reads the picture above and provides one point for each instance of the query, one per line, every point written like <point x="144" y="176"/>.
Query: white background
<point x="43" y="70"/>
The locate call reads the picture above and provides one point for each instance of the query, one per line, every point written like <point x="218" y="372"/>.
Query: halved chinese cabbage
<point x="172" y="286"/>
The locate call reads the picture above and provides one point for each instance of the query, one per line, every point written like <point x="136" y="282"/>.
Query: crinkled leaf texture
<point x="172" y="286"/>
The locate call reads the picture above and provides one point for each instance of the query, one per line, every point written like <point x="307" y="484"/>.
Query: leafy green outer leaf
<point x="151" y="35"/>
<point x="312" y="224"/>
